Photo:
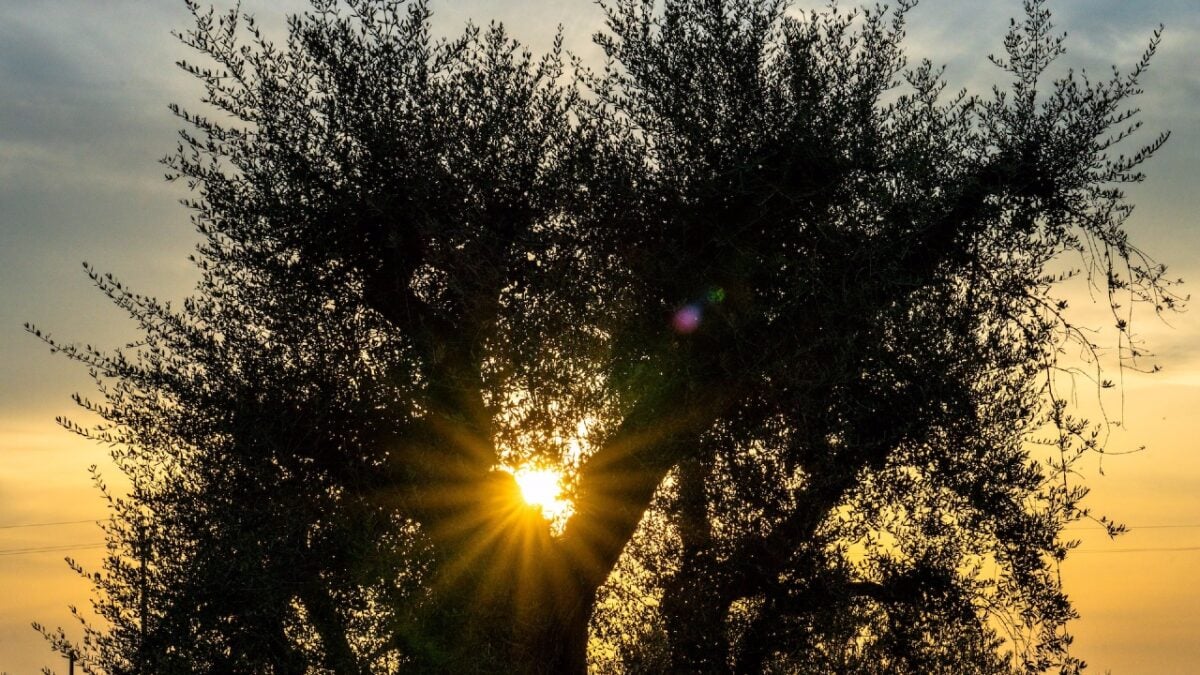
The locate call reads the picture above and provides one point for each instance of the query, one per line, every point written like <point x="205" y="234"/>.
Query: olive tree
<point x="779" y="309"/>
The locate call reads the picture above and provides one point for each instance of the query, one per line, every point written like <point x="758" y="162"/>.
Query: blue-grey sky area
<point x="84" y="88"/>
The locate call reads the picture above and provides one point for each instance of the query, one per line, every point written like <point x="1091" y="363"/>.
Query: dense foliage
<point x="779" y="308"/>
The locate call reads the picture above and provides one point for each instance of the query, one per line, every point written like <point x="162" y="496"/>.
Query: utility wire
<point x="59" y="522"/>
<point x="48" y="549"/>
<point x="1148" y="549"/>
<point x="1131" y="528"/>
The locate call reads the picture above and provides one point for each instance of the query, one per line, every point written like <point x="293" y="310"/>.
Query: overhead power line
<point x="1146" y="549"/>
<point x="48" y="549"/>
<point x="57" y="522"/>
<point x="1131" y="528"/>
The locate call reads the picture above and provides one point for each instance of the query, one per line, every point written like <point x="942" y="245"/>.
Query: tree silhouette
<point x="779" y="309"/>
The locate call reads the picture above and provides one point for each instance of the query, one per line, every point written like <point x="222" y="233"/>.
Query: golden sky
<point x="83" y="121"/>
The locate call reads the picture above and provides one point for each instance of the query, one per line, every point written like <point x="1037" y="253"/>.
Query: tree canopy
<point x="781" y="311"/>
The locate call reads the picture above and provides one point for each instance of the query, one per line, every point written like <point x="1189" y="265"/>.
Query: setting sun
<point x="543" y="488"/>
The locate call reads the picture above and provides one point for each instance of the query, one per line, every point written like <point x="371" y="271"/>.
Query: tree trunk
<point x="506" y="597"/>
<point x="534" y="638"/>
<point x="694" y="606"/>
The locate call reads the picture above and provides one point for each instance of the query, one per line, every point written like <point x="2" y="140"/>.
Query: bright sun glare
<point x="543" y="488"/>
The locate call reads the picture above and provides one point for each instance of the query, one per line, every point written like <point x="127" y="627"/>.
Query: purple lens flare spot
<point x="687" y="319"/>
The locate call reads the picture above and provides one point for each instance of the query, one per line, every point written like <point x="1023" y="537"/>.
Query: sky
<point x="84" y="121"/>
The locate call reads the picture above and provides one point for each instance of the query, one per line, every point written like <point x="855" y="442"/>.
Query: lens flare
<point x="687" y="319"/>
